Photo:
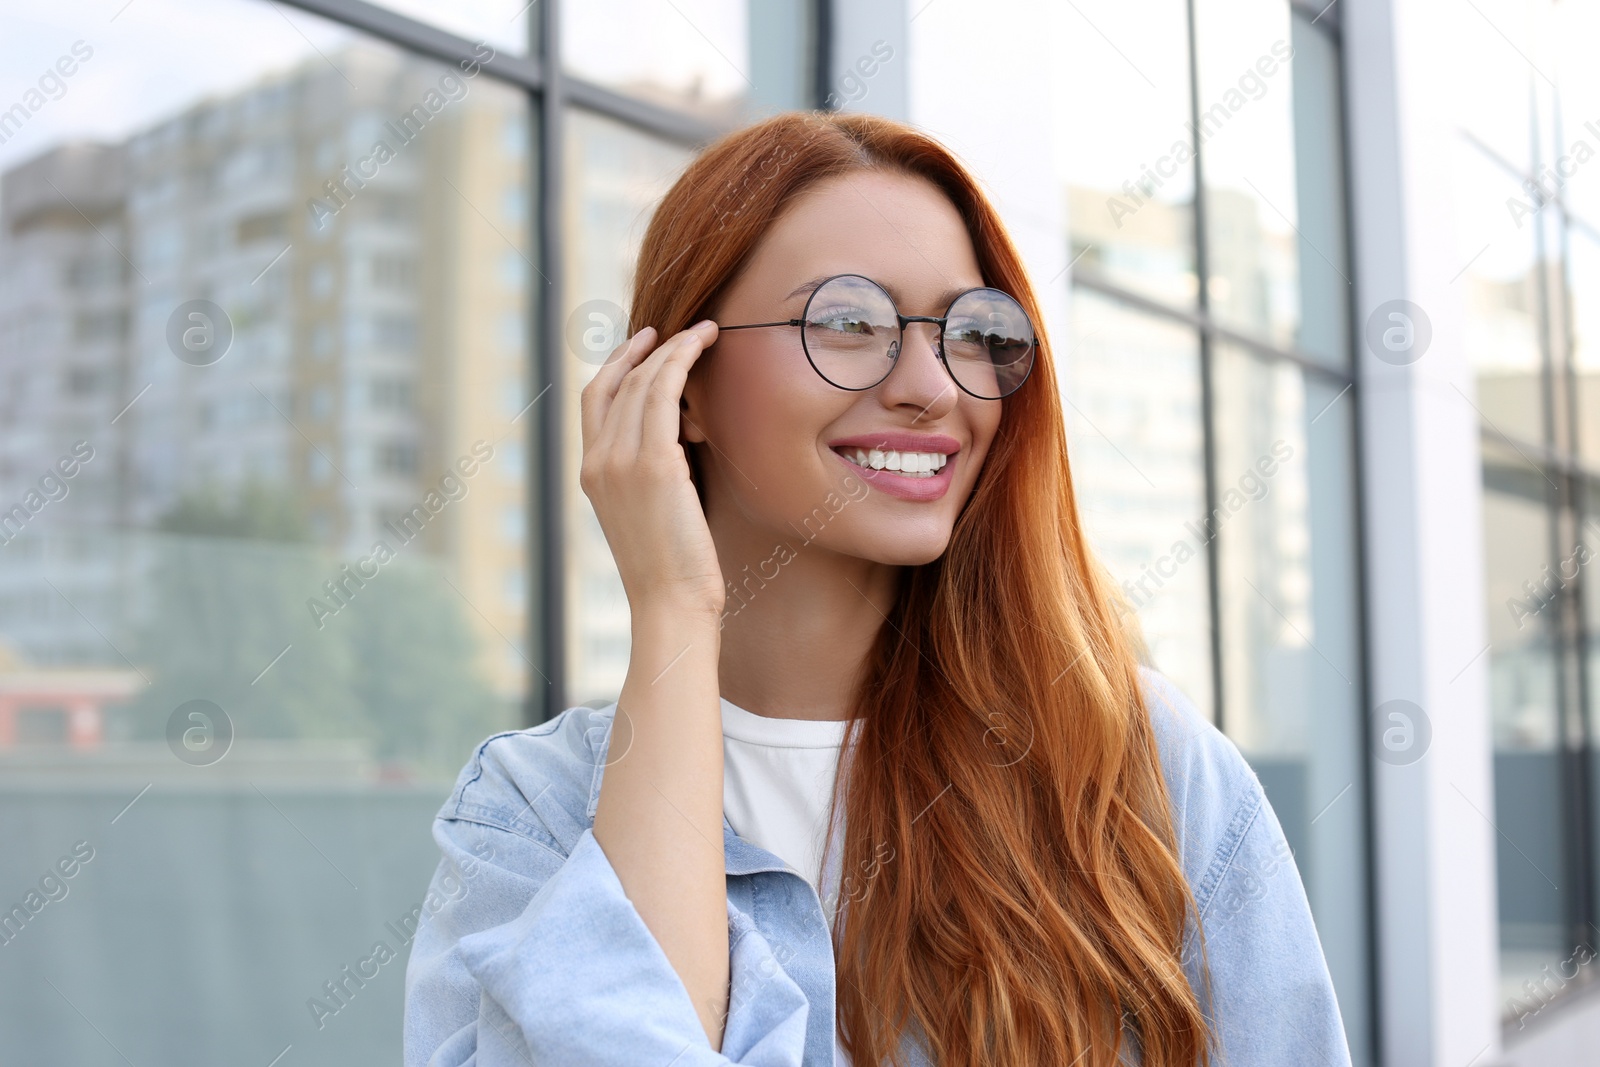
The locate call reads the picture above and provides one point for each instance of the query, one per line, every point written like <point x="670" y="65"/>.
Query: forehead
<point x="897" y="229"/>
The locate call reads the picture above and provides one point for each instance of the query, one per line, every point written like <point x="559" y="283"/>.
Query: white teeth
<point x="913" y="464"/>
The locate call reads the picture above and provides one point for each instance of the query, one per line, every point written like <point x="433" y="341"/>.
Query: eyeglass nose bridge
<point x="907" y="319"/>
<point x="938" y="348"/>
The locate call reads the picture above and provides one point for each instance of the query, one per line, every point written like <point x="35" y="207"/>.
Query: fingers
<point x="643" y="391"/>
<point x="613" y="402"/>
<point x="662" y="417"/>
<point x="597" y="395"/>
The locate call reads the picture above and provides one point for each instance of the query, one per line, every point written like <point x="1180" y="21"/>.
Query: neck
<point x="797" y="625"/>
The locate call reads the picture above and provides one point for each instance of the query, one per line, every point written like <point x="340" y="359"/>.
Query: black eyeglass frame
<point x="804" y="319"/>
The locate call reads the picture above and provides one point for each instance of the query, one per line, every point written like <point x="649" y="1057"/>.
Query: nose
<point x="919" y="379"/>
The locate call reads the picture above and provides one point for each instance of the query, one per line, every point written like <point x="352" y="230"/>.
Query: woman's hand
<point x="636" y="474"/>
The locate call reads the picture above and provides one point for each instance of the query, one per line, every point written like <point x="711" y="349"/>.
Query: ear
<point x="692" y="406"/>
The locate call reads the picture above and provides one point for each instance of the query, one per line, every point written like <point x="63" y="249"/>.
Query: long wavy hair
<point x="1010" y="886"/>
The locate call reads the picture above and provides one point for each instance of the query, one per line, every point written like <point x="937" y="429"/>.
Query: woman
<point x="1040" y="852"/>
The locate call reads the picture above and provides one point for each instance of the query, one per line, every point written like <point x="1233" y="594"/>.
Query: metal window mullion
<point x="530" y="72"/>
<point x="1208" y="431"/>
<point x="1577" y="778"/>
<point x="1569" y="775"/>
<point x="1537" y="455"/>
<point x="1319" y="13"/>
<point x="1580" y="493"/>
<point x="414" y="35"/>
<point x="822" y="52"/>
<point x="1204" y="322"/>
<point x="546" y="474"/>
<point x="640" y="115"/>
<point x="1365" y="729"/>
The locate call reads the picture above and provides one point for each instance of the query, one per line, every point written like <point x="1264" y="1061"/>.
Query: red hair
<point x="1035" y="912"/>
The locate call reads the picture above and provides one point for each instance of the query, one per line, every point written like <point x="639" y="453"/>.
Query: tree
<point x="228" y="621"/>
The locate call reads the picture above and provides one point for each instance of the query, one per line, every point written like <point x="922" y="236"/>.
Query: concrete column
<point x="1435" y="910"/>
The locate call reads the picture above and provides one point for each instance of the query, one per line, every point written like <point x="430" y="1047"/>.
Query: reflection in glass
<point x="253" y="417"/>
<point x="1274" y="232"/>
<point x="1495" y="251"/>
<point x="1491" y="80"/>
<point x="501" y="24"/>
<point x="1574" y="27"/>
<point x="1589" y="594"/>
<point x="1325" y="275"/>
<point x="723" y="61"/>
<point x="1131" y="387"/>
<point x="615" y="178"/>
<point x="1290" y="631"/>
<point x="1523" y="622"/>
<point x="1583" y="304"/>
<point x="1128" y="170"/>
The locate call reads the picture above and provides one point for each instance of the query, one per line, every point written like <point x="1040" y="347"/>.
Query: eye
<point x="995" y="339"/>
<point x="966" y="332"/>
<point x="843" y="320"/>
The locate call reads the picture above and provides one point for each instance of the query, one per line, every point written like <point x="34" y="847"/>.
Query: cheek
<point x="983" y="420"/>
<point x="769" y="407"/>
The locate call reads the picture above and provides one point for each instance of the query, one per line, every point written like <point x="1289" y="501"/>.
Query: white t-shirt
<point x="777" y="783"/>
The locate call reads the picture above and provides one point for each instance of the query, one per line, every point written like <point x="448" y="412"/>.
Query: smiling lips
<point x="906" y="465"/>
<point x="914" y="464"/>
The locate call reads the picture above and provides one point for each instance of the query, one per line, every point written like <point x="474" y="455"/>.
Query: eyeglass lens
<point x="852" y="337"/>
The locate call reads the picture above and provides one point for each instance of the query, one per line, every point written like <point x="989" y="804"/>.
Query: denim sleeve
<point x="541" y="958"/>
<point x="1271" y="997"/>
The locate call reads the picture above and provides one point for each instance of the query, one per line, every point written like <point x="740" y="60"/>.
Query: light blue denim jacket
<point x="530" y="953"/>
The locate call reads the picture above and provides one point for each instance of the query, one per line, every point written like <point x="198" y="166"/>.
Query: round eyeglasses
<point x="851" y="332"/>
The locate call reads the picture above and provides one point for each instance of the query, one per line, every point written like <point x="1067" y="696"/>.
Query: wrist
<point x="685" y="620"/>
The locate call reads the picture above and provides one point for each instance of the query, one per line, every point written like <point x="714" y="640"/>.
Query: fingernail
<point x="702" y="322"/>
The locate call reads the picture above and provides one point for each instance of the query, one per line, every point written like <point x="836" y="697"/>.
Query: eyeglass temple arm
<point x="753" y="325"/>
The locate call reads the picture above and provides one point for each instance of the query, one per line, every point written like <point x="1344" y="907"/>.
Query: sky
<point x="152" y="58"/>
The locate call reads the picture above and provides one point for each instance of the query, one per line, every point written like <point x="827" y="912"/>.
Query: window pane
<point x="1290" y="632"/>
<point x="1274" y="232"/>
<point x="614" y="180"/>
<point x="1523" y="703"/>
<point x="1325" y="274"/>
<point x="1132" y="392"/>
<point x="259" y="604"/>
<point x="1495" y="253"/>
<point x="1491" y="76"/>
<point x="1575" y="27"/>
<point x="1128" y="170"/>
<point x="1131" y="387"/>
<point x="724" y="61"/>
<point x="502" y="24"/>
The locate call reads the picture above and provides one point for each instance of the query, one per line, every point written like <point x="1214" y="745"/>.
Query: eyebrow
<point x="942" y="300"/>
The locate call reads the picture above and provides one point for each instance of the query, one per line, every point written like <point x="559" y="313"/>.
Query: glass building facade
<point x="1528" y="221"/>
<point x="296" y="304"/>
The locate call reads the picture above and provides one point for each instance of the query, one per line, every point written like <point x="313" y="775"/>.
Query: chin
<point x="902" y="550"/>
